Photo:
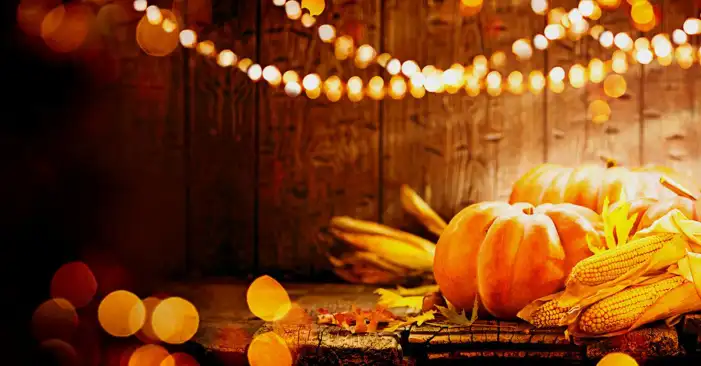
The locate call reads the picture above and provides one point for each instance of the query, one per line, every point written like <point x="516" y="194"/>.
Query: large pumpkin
<point x="510" y="255"/>
<point x="587" y="185"/>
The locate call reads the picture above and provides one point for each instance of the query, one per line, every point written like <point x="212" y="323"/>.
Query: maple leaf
<point x="419" y="320"/>
<point x="459" y="318"/>
<point x="391" y="299"/>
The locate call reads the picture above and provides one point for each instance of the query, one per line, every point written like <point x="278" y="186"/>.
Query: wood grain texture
<point x="139" y="131"/>
<point x="222" y="166"/>
<point x="518" y="120"/>
<point x="670" y="131"/>
<point x="619" y="137"/>
<point x="566" y="111"/>
<point x="435" y="144"/>
<point x="317" y="158"/>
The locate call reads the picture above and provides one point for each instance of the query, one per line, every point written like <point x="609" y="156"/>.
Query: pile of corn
<point x="647" y="279"/>
<point x="371" y="253"/>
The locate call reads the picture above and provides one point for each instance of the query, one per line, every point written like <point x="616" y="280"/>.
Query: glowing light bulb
<point x="140" y="5"/>
<point x="410" y="68"/>
<point x="539" y="6"/>
<point x="522" y="49"/>
<point x="597" y="70"/>
<point x="480" y="66"/>
<point x="586" y="7"/>
<point x="397" y="87"/>
<point x="355" y="89"/>
<point x="226" y="58"/>
<point x="515" y="82"/>
<point x="493" y="83"/>
<point x="641" y="43"/>
<point x="643" y="56"/>
<point x="623" y="41"/>
<point x="188" y="38"/>
<point x="472" y="85"/>
<point x="293" y="89"/>
<point x="554" y="31"/>
<point x="394" y="66"/>
<point x="540" y="42"/>
<point x="577" y="76"/>
<point x="498" y="59"/>
<point x="343" y="47"/>
<point x="205" y="48"/>
<point x="557" y="74"/>
<point x="364" y="56"/>
<point x="615" y="86"/>
<point x="271" y="74"/>
<point x="311" y="81"/>
<point x="293" y="9"/>
<point x="308" y="20"/>
<point x="255" y="72"/>
<point x="599" y="111"/>
<point x="169" y="26"/>
<point x="154" y="15"/>
<point x="596" y="31"/>
<point x="333" y="88"/>
<point x="290" y="76"/>
<point x="684" y="55"/>
<point x="679" y="37"/>
<point x="692" y="26"/>
<point x="376" y="88"/>
<point x="661" y="46"/>
<point x="327" y="33"/>
<point x="642" y="12"/>
<point x="619" y="62"/>
<point x="279" y="2"/>
<point x="606" y="39"/>
<point x="575" y="16"/>
<point x="536" y="82"/>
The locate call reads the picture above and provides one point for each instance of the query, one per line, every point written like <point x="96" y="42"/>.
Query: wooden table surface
<point x="227" y="328"/>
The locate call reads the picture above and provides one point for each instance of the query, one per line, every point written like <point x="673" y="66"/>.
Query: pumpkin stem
<point x="677" y="188"/>
<point x="609" y="161"/>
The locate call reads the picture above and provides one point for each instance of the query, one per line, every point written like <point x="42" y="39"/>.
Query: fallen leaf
<point x="419" y="320"/>
<point x="417" y="291"/>
<point x="392" y="299"/>
<point x="459" y="318"/>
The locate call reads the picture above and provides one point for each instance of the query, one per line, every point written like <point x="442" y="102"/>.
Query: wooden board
<point x="317" y="158"/>
<point x="221" y="173"/>
<point x="670" y="132"/>
<point x="619" y="137"/>
<point x="434" y="144"/>
<point x="517" y="121"/>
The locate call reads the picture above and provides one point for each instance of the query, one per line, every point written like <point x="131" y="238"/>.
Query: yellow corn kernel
<point x="613" y="263"/>
<point x="548" y="315"/>
<point x="621" y="310"/>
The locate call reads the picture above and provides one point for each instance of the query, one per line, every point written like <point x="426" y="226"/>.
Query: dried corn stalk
<point x="415" y="205"/>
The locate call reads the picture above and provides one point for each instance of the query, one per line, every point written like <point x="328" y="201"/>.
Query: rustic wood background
<point x="236" y="178"/>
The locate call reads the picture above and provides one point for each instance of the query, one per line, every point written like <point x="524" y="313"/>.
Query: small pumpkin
<point x="589" y="184"/>
<point x="651" y="209"/>
<point x="510" y="255"/>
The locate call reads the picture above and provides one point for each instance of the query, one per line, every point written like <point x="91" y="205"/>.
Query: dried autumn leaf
<point x="417" y="291"/>
<point x="617" y="224"/>
<point x="459" y="318"/>
<point x="419" y="320"/>
<point x="391" y="299"/>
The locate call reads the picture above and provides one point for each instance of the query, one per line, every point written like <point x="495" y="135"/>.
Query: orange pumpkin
<point x="650" y="209"/>
<point x="510" y="255"/>
<point x="588" y="184"/>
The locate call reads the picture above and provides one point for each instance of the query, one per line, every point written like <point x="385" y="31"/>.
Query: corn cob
<point x="395" y="251"/>
<point x="613" y="263"/>
<point x="352" y="225"/>
<point x="548" y="315"/>
<point x="621" y="310"/>
<point x="416" y="206"/>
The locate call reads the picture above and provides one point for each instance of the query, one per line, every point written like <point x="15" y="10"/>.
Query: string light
<point x="271" y="74"/>
<point x="679" y="37"/>
<point x="522" y="49"/>
<point x="577" y="76"/>
<point x="188" y="38"/>
<point x="154" y="15"/>
<point x="692" y="26"/>
<point x="536" y="82"/>
<point x="597" y="71"/>
<point x="539" y="6"/>
<point x="293" y="89"/>
<point x="606" y="39"/>
<point x="623" y="41"/>
<point x="540" y="42"/>
<point x="394" y="66"/>
<point x="308" y="20"/>
<point x="255" y="72"/>
<point x="327" y="33"/>
<point x="397" y="87"/>
<point x="293" y="9"/>
<point x="515" y="82"/>
<point x="226" y="58"/>
<point x="410" y="68"/>
<point x="140" y="5"/>
<point x="364" y="55"/>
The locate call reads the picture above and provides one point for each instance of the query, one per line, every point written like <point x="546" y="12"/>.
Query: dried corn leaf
<point x="617" y="224"/>
<point x="391" y="299"/>
<point x="419" y="320"/>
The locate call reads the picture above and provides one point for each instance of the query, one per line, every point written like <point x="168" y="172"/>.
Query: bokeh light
<point x="153" y="39"/>
<point x="59" y="352"/>
<point x="179" y="359"/>
<point x="121" y="313"/>
<point x="597" y="70"/>
<point x="617" y="359"/>
<point x="74" y="282"/>
<point x="175" y="320"/>
<point x="148" y="355"/>
<point x="327" y="33"/>
<point x="376" y="90"/>
<point x="599" y="111"/>
<point x="146" y="334"/>
<point x="66" y="27"/>
<point x="54" y="319"/>
<point x="615" y="86"/>
<point x="266" y="297"/>
<point x="269" y="349"/>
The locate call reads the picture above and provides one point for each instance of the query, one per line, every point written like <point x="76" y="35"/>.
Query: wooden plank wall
<point x="264" y="173"/>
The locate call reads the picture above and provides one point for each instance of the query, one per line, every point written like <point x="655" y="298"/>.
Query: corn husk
<point x="672" y="222"/>
<point x="417" y="207"/>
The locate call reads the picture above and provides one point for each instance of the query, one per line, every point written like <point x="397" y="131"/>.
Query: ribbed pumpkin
<point x="588" y="184"/>
<point x="651" y="209"/>
<point x="511" y="254"/>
